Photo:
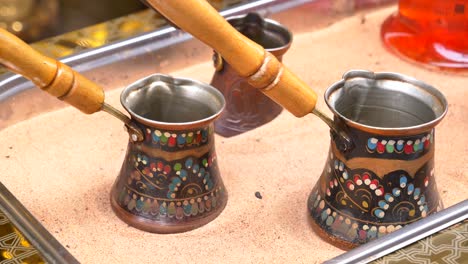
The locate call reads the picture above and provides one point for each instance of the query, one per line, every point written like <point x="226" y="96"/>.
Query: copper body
<point x="246" y="106"/>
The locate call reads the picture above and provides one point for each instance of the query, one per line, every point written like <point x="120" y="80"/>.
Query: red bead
<point x="426" y="181"/>
<point x="426" y="143"/>
<point x="362" y="234"/>
<point x="380" y="147"/>
<point x="408" y="149"/>
<point x="167" y="169"/>
<point x="357" y="179"/>
<point x="172" y="141"/>
<point x="365" y="176"/>
<point x="160" y="166"/>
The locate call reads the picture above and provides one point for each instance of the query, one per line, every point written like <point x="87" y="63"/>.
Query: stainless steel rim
<point x="269" y="24"/>
<point x="141" y="84"/>
<point x="393" y="77"/>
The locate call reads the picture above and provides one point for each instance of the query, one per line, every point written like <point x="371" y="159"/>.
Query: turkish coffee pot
<point x="379" y="174"/>
<point x="169" y="181"/>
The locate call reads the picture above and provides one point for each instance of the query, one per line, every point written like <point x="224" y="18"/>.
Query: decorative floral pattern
<point x="372" y="188"/>
<point x="170" y="182"/>
<point x="406" y="146"/>
<point x="348" y="227"/>
<point x="182" y="188"/>
<point x="358" y="206"/>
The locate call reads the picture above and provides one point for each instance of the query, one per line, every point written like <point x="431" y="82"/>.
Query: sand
<point x="61" y="165"/>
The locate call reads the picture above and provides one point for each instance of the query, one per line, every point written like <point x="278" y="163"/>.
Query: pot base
<point x="327" y="237"/>
<point x="162" y="226"/>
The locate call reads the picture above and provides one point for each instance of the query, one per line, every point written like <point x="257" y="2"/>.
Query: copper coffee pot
<point x="380" y="172"/>
<point x="380" y="167"/>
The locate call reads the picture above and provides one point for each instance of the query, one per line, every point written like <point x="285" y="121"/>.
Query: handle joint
<point x="136" y="135"/>
<point x="338" y="131"/>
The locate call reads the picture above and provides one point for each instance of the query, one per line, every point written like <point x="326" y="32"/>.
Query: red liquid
<point x="434" y="33"/>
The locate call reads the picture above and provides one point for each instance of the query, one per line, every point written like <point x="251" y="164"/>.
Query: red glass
<point x="434" y="33"/>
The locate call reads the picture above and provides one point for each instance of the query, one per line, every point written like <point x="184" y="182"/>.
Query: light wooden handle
<point x="248" y="59"/>
<point x="50" y="75"/>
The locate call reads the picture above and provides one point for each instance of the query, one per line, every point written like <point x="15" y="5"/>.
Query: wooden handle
<point x="248" y="59"/>
<point x="50" y="75"/>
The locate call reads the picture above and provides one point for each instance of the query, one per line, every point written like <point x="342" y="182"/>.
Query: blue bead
<point x="176" y="180"/>
<point x="371" y="233"/>
<point x="189" y="163"/>
<point x="139" y="204"/>
<point x="371" y="145"/>
<point x="207" y="176"/>
<point x="183" y="174"/>
<point x="324" y="215"/>
<point x="188" y="209"/>
<point x="399" y="146"/>
<point x="403" y="181"/>
<point x="155" y="137"/>
<point x="210" y="185"/>
<point x="421" y="145"/>
<point x="382" y="204"/>
<point x="345" y="175"/>
<point x="196" y="168"/>
<point x="422" y="199"/>
<point x="180" y="140"/>
<point x="162" y="210"/>
<point x="388" y="197"/>
<point x="379" y="213"/>
<point x="172" y="187"/>
<point x="202" y="172"/>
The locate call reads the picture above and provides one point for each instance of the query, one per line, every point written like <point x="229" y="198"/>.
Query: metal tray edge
<point x="405" y="236"/>
<point x="35" y="233"/>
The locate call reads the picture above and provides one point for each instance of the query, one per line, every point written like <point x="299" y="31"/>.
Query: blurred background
<point x="59" y="28"/>
<point x="427" y="32"/>
<point x="33" y="20"/>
